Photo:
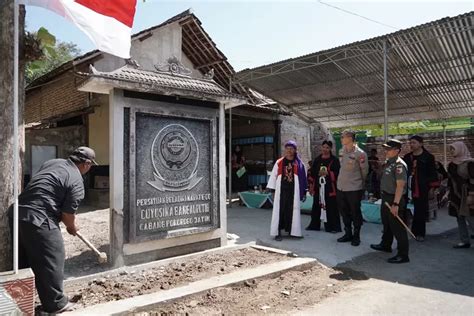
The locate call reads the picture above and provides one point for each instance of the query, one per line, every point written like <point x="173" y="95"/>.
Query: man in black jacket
<point x="423" y="177"/>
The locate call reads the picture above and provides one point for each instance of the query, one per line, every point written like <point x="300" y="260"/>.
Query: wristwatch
<point x="395" y="204"/>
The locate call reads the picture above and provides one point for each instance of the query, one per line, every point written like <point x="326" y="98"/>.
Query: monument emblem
<point x="175" y="156"/>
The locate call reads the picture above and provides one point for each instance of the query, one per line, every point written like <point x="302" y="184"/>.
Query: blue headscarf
<point x="301" y="173"/>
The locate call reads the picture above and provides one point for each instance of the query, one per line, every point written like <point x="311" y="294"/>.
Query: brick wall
<point x="57" y="97"/>
<point x="433" y="143"/>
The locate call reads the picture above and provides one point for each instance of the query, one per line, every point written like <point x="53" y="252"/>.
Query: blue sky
<point x="254" y="33"/>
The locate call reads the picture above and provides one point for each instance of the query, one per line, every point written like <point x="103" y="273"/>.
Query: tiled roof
<point x="155" y="80"/>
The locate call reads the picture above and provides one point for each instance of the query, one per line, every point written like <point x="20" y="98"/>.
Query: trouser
<point x="333" y="223"/>
<point x="349" y="207"/>
<point x="392" y="227"/>
<point x="286" y="209"/>
<point x="421" y="205"/>
<point x="42" y="249"/>
<point x="463" y="229"/>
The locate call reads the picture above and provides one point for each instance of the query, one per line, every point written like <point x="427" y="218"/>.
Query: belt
<point x="386" y="193"/>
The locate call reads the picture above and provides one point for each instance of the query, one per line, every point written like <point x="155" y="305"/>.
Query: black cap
<point x="84" y="153"/>
<point x="393" y="143"/>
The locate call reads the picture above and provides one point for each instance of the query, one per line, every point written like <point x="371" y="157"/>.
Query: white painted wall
<point x="165" y="42"/>
<point x="293" y="128"/>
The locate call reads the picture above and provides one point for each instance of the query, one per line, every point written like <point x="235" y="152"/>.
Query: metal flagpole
<point x="230" y="148"/>
<point x="385" y="108"/>
<point x="16" y="26"/>
<point x="445" y="145"/>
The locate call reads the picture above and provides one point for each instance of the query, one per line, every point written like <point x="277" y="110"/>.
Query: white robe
<point x="274" y="183"/>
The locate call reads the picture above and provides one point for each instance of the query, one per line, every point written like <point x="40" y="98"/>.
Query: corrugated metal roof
<point x="430" y="76"/>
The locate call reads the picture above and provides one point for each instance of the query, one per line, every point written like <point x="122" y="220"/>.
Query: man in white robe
<point x="288" y="180"/>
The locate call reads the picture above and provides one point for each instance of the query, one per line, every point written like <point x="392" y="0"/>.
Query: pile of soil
<point x="158" y="278"/>
<point x="284" y="294"/>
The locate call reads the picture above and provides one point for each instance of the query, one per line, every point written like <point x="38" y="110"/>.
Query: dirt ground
<point x="80" y="260"/>
<point x="284" y="294"/>
<point x="155" y="279"/>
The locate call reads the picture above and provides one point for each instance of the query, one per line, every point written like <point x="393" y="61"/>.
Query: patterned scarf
<point x="301" y="173"/>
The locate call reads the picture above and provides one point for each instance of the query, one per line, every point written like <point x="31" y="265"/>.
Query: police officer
<point x="351" y="186"/>
<point x="53" y="195"/>
<point x="393" y="185"/>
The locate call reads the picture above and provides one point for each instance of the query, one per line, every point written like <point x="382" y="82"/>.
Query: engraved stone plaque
<point x="173" y="188"/>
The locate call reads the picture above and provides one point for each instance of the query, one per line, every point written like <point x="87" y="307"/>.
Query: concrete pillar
<point x="116" y="154"/>
<point x="222" y="167"/>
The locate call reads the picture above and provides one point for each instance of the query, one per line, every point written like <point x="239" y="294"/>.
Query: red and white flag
<point x="108" y="23"/>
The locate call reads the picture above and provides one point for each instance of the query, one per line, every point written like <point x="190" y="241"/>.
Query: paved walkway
<point x="439" y="280"/>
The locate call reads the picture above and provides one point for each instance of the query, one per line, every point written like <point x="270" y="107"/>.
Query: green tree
<point x="53" y="54"/>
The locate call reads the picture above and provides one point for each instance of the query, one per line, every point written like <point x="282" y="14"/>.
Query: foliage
<point x="53" y="54"/>
<point x="407" y="128"/>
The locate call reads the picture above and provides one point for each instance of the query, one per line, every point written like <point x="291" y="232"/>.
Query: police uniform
<point x="350" y="188"/>
<point x="394" y="169"/>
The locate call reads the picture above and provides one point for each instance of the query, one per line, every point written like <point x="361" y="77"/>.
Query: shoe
<point x="398" y="259"/>
<point x="356" y="238"/>
<point x="69" y="307"/>
<point x="379" y="247"/>
<point x="297" y="237"/>
<point x="278" y="238"/>
<point x="355" y="242"/>
<point x="313" y="228"/>
<point x="462" y="245"/>
<point x="420" y="238"/>
<point x="347" y="236"/>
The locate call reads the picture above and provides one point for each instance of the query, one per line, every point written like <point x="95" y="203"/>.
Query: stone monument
<point x="167" y="139"/>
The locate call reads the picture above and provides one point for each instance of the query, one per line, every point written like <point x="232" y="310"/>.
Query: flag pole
<point x="16" y="149"/>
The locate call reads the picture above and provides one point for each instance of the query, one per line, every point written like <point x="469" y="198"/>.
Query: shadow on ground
<point x="86" y="263"/>
<point x="434" y="265"/>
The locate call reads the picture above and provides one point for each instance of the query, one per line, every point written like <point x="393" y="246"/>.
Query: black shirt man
<point x="53" y="195"/>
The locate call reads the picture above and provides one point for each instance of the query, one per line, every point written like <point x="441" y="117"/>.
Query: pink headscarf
<point x="461" y="152"/>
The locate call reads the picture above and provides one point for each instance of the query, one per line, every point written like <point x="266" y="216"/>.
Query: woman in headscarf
<point x="325" y="170"/>
<point x="461" y="191"/>
<point x="288" y="179"/>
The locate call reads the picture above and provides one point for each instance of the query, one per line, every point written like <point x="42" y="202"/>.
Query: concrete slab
<point x="154" y="299"/>
<point x="378" y="297"/>
<point x="254" y="224"/>
<point x="435" y="282"/>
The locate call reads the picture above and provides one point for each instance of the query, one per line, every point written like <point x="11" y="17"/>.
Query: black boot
<point x="356" y="238"/>
<point x="316" y="227"/>
<point x="347" y="236"/>
<point x="279" y="237"/>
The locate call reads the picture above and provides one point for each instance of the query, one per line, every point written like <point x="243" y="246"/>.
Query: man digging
<point x="53" y="195"/>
